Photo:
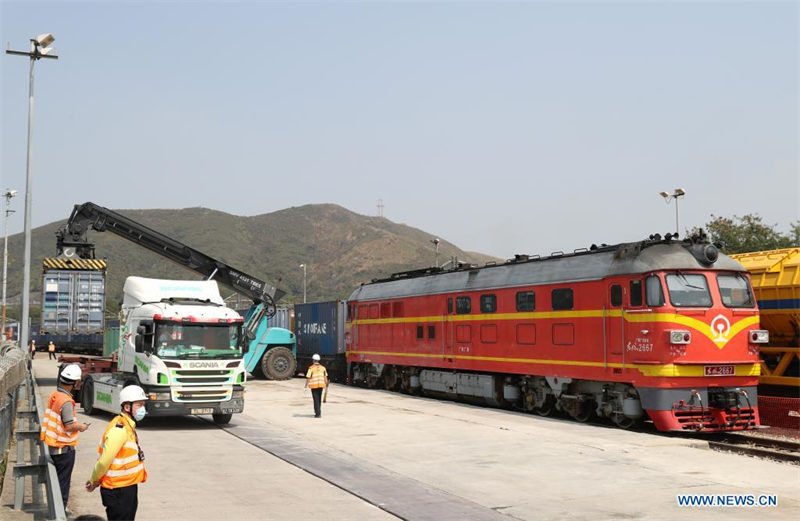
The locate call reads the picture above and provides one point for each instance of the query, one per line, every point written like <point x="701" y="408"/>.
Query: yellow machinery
<point x="776" y="281"/>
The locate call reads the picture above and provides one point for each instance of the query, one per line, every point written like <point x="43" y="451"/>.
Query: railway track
<point x="782" y="450"/>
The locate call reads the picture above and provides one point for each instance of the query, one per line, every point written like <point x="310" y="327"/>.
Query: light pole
<point x="679" y="192"/>
<point x="8" y="195"/>
<point x="39" y="50"/>
<point x="304" y="282"/>
<point x="436" y="255"/>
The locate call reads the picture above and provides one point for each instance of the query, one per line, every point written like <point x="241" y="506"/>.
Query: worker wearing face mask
<point x="120" y="467"/>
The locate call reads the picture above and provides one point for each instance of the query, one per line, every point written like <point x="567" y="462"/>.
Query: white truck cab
<point x="182" y="345"/>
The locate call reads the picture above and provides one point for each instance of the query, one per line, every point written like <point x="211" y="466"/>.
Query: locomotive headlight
<point x="759" y="336"/>
<point x="680" y="337"/>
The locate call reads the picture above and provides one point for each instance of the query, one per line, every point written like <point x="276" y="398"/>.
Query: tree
<point x="749" y="233"/>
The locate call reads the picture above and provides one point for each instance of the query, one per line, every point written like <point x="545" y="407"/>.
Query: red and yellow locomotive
<point x="664" y="329"/>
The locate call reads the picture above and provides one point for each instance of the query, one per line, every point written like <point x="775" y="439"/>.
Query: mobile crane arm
<point x="72" y="240"/>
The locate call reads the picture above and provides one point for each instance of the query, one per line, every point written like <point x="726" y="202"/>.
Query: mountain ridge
<point x="340" y="248"/>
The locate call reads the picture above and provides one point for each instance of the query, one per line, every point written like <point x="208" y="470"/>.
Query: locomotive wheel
<point x="373" y="381"/>
<point x="546" y="408"/>
<point x="583" y="414"/>
<point x="623" y="422"/>
<point x="390" y="379"/>
<point x="405" y="382"/>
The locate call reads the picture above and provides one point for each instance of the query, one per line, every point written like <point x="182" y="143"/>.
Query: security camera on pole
<point x="39" y="50"/>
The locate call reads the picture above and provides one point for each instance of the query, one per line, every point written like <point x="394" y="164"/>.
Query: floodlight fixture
<point x="43" y="40"/>
<point x="679" y="192"/>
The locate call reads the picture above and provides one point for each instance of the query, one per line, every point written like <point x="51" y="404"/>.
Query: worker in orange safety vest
<point x="317" y="381"/>
<point x="60" y="427"/>
<point x="120" y="467"/>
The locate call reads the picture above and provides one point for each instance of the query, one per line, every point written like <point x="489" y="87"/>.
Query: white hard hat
<point x="132" y="393"/>
<point x="71" y="373"/>
<point x="315" y="357"/>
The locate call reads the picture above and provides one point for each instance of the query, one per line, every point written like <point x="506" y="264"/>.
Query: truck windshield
<point x="688" y="290"/>
<point x="193" y="340"/>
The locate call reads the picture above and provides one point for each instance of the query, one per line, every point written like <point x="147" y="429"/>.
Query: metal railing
<point x="38" y="465"/>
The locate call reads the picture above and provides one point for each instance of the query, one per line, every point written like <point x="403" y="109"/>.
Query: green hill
<point x="340" y="248"/>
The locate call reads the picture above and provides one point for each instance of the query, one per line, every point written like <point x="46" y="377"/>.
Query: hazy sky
<point x="504" y="127"/>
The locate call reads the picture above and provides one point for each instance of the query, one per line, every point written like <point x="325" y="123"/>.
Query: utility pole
<point x="39" y="50"/>
<point x="8" y="195"/>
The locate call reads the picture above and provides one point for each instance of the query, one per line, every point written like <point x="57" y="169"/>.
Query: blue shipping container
<point x="319" y="328"/>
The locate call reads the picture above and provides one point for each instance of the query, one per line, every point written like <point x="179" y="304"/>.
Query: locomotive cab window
<point x="616" y="295"/>
<point x="431" y="331"/>
<point x="449" y="305"/>
<point x="636" y="293"/>
<point x="526" y="301"/>
<point x="561" y="299"/>
<point x="688" y="290"/>
<point x="488" y="303"/>
<point x="420" y="332"/>
<point x="655" y="294"/>
<point x="735" y="291"/>
<point x="463" y="305"/>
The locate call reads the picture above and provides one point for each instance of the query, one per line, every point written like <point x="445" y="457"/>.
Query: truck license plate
<point x="201" y="411"/>
<point x="719" y="370"/>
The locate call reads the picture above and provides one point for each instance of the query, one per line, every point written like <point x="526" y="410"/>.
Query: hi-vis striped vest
<point x="316" y="374"/>
<point x="126" y="469"/>
<point x="53" y="432"/>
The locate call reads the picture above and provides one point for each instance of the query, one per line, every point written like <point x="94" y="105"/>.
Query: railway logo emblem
<point x="720" y="328"/>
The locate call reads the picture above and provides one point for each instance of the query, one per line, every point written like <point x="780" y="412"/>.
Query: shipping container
<point x="73" y="296"/>
<point x="319" y="329"/>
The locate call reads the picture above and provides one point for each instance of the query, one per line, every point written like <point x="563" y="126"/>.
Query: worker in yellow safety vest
<point x="317" y="380"/>
<point x="60" y="427"/>
<point x="120" y="467"/>
<point x="51" y="350"/>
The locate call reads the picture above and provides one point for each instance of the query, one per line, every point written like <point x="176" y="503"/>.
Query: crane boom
<point x="72" y="240"/>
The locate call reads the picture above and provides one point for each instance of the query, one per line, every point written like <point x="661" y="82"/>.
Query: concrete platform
<point x="380" y="455"/>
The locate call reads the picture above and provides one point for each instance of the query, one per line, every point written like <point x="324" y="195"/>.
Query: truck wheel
<point x="278" y="364"/>
<point x="222" y="419"/>
<point x="87" y="396"/>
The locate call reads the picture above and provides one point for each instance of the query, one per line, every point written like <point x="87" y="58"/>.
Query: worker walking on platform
<point x="60" y="428"/>
<point x="120" y="467"/>
<point x="33" y="348"/>
<point x="317" y="380"/>
<point x="51" y="350"/>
